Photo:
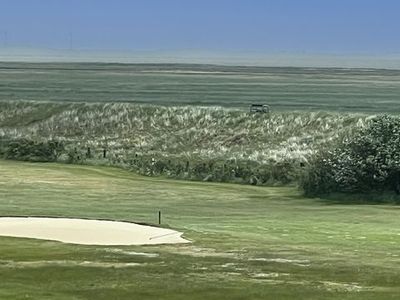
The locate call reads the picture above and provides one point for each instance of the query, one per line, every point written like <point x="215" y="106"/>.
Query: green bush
<point x="198" y="168"/>
<point x="28" y="150"/>
<point x="366" y="161"/>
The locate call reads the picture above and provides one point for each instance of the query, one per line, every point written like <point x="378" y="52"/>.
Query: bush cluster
<point x="30" y="150"/>
<point x="237" y="171"/>
<point x="367" y="161"/>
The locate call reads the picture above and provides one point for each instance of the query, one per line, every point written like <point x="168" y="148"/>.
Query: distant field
<point x="350" y="90"/>
<point x="248" y="242"/>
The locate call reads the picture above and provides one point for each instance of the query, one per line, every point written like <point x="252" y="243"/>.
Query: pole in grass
<point x="159" y="217"/>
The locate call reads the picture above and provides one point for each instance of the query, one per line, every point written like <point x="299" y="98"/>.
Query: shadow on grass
<point x="383" y="198"/>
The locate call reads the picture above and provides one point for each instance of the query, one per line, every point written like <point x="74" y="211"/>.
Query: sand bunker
<point x="87" y="232"/>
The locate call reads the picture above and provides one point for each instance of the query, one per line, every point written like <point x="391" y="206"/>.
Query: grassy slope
<point x="306" y="248"/>
<point x="207" y="133"/>
<point x="284" y="88"/>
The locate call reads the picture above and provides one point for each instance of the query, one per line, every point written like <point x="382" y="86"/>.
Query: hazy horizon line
<point x="204" y="56"/>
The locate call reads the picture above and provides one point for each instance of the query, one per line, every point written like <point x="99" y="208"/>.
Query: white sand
<point x="87" y="232"/>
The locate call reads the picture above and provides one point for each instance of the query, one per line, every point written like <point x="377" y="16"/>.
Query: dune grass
<point x="197" y="143"/>
<point x="248" y="242"/>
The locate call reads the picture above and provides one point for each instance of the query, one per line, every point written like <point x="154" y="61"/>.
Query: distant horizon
<point x="198" y="56"/>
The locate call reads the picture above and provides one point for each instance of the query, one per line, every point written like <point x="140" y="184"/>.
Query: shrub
<point x="24" y="149"/>
<point x="366" y="161"/>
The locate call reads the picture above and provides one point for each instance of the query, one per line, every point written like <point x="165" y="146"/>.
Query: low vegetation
<point x="196" y="143"/>
<point x="367" y="161"/>
<point x="324" y="152"/>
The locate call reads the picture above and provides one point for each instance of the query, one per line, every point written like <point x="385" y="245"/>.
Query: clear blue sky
<point x="296" y="26"/>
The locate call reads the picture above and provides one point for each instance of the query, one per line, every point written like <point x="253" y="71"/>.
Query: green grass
<point x="346" y="90"/>
<point x="248" y="242"/>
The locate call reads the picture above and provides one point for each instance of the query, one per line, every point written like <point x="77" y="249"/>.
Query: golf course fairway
<point x="247" y="242"/>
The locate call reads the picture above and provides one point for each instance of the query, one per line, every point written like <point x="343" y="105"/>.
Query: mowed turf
<point x="349" y="90"/>
<point x="248" y="242"/>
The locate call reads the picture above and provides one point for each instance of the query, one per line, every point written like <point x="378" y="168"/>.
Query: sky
<point x="288" y="26"/>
